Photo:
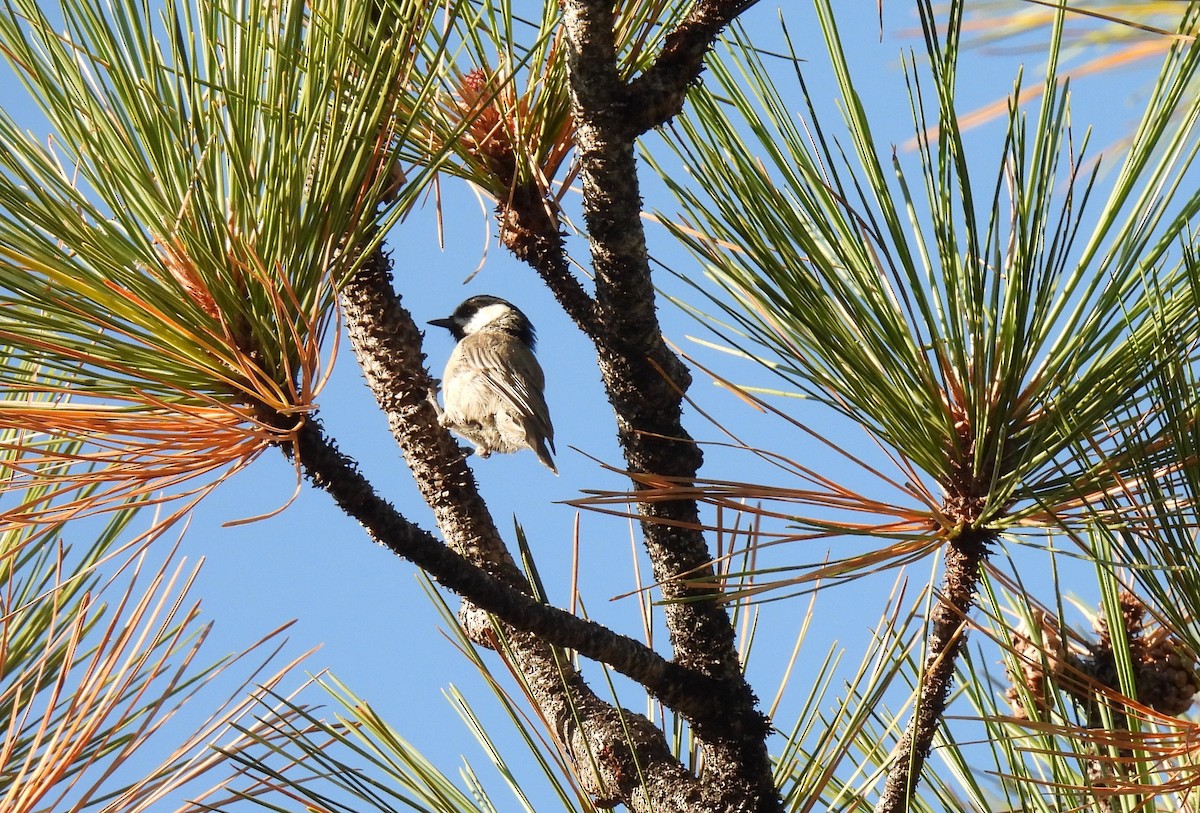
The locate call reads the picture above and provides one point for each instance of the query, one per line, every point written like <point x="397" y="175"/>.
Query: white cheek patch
<point x="484" y="317"/>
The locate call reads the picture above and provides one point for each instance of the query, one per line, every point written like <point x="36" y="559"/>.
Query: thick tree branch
<point x="947" y="636"/>
<point x="620" y="756"/>
<point x="633" y="358"/>
<point x="338" y="475"/>
<point x="657" y="94"/>
<point x="529" y="231"/>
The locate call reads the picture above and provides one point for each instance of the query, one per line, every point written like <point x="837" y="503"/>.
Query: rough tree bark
<point x="945" y="641"/>
<point x="645" y="381"/>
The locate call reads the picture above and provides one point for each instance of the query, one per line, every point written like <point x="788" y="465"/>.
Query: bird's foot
<point x="434" y="387"/>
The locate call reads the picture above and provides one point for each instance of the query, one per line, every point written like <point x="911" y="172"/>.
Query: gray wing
<point x="521" y="388"/>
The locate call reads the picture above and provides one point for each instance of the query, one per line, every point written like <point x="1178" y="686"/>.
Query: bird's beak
<point x="446" y="323"/>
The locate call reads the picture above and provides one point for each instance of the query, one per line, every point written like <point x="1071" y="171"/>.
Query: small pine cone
<point x="486" y="133"/>
<point x="1166" y="675"/>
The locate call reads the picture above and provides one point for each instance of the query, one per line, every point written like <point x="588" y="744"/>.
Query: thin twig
<point x="947" y="636"/>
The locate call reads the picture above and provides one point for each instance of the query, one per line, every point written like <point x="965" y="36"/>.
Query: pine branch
<point x="947" y="636"/>
<point x="645" y="383"/>
<point x="532" y="234"/>
<point x="657" y="95"/>
<point x="338" y="475"/>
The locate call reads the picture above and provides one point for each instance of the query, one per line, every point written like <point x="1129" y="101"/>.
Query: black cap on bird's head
<point x="491" y="312"/>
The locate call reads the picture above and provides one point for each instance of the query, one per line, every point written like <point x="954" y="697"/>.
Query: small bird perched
<point x="492" y="386"/>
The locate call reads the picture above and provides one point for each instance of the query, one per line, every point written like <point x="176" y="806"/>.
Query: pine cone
<point x="1164" y="668"/>
<point x="1166" y="675"/>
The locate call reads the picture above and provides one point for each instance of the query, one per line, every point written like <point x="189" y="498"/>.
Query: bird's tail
<point x="544" y="455"/>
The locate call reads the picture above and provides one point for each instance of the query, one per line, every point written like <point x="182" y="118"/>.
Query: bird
<point x="493" y="384"/>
